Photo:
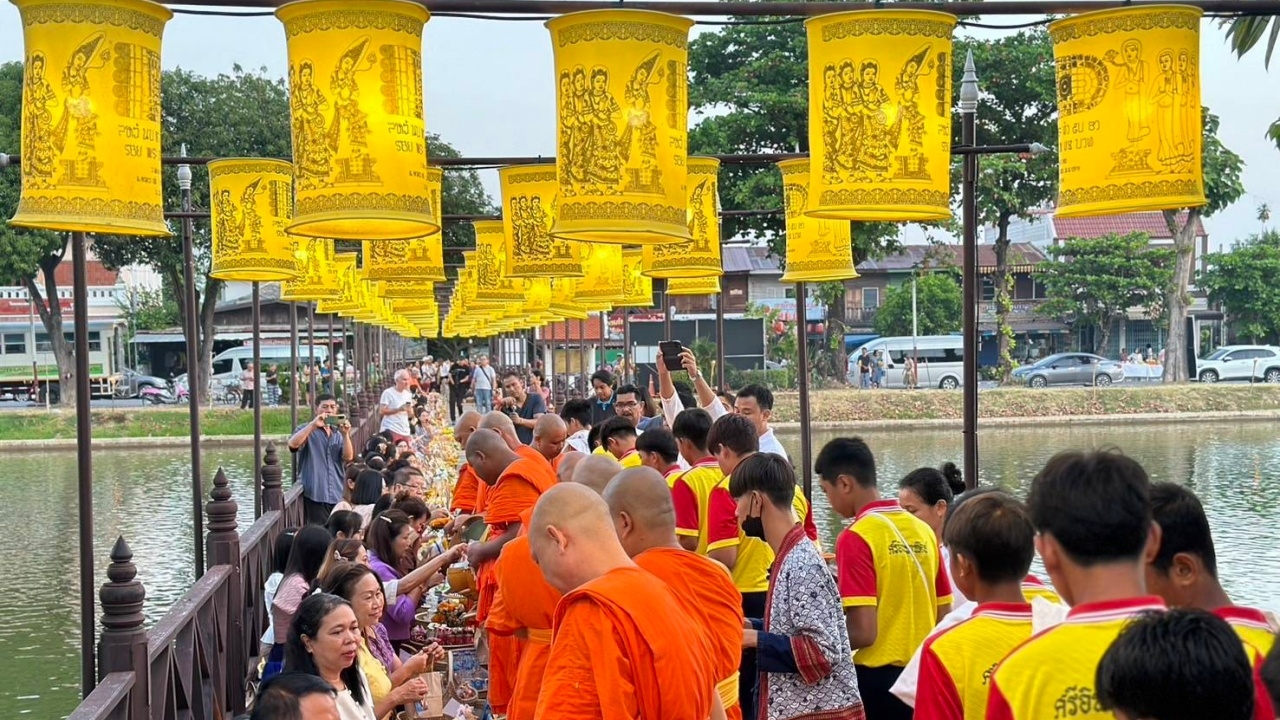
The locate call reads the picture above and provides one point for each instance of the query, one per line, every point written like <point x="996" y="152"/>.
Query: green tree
<point x="1095" y="281"/>
<point x="1243" y="281"/>
<point x="1222" y="186"/>
<point x="1244" y="33"/>
<point x="939" y="306"/>
<point x="30" y="258"/>
<point x="243" y="114"/>
<point x="1018" y="104"/>
<point x="750" y="85"/>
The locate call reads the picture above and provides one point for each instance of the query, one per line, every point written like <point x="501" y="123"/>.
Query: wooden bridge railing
<point x="194" y="662"/>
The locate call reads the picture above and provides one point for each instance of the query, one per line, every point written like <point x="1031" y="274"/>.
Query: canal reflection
<point x="143" y="495"/>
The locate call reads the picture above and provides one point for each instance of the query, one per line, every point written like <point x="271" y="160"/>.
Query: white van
<point x="940" y="357"/>
<point x="228" y="364"/>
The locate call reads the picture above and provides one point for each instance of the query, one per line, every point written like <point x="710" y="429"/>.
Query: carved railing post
<point x="122" y="646"/>
<point x="223" y="548"/>
<point x="272" y="494"/>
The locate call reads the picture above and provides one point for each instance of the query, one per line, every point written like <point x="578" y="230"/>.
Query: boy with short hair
<point x="992" y="543"/>
<point x="1092" y="513"/>
<point x="891" y="579"/>
<point x="1183" y="571"/>
<point x="618" y="438"/>
<point x="1176" y="665"/>
<point x="691" y="493"/>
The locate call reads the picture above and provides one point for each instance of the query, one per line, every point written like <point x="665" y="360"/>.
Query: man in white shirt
<point x="754" y="402"/>
<point x="577" y="419"/>
<point x="395" y="405"/>
<point x="483" y="381"/>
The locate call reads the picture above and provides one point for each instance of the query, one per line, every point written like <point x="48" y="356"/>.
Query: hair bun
<point x="954" y="476"/>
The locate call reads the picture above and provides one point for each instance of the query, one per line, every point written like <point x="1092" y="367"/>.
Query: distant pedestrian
<point x="483" y="382"/>
<point x="247" y="392"/>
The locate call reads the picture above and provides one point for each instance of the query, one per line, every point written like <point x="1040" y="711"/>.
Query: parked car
<point x="940" y="358"/>
<point x="1240" y="362"/>
<point x="1070" y="369"/>
<point x="131" y="382"/>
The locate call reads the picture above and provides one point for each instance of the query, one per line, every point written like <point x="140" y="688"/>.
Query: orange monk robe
<point x="517" y="491"/>
<point x="625" y="649"/>
<point x="465" y="491"/>
<point x="706" y="591"/>
<point x="525" y="605"/>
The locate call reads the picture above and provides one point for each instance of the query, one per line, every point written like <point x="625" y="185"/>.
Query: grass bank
<point x="140" y="423"/>
<point x="874" y="405"/>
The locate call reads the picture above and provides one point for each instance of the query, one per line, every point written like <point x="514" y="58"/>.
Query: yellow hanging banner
<point x="622" y="133"/>
<point x="316" y="275"/>
<point x="880" y="115"/>
<point x="419" y="260"/>
<point x="1129" y="132"/>
<point x="637" y="288"/>
<point x="91" y="117"/>
<point x="349" y="286"/>
<point x="490" y="263"/>
<point x="817" y="250"/>
<point x="405" y="288"/>
<point x="528" y="211"/>
<point x="602" y="283"/>
<point x="359" y="143"/>
<point x="693" y="286"/>
<point x="563" y="291"/>
<point x="700" y="258"/>
<point x="251" y="203"/>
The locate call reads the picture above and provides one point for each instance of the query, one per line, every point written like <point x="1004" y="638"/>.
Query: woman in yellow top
<point x="392" y="682"/>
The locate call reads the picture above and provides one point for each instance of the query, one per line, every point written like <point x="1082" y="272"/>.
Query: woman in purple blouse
<point x="391" y="540"/>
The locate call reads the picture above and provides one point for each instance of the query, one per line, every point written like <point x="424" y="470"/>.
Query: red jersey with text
<point x="889" y="559"/>
<point x="691" y="493"/>
<point x="1052" y="674"/>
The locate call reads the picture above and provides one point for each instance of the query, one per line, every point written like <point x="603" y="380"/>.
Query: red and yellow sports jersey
<point x="889" y="559"/>
<point x="1251" y="625"/>
<point x="1032" y="587"/>
<point x="672" y="474"/>
<point x="1255" y="631"/>
<point x="751" y="570"/>
<point x="630" y="459"/>
<point x="691" y="495"/>
<point x="956" y="664"/>
<point x="1051" y="675"/>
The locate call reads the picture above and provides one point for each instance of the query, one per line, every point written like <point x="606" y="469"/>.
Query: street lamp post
<point x="969" y="184"/>
<point x="194" y="384"/>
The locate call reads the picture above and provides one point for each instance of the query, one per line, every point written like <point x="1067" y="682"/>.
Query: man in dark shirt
<point x="323" y="451"/>
<point x="459" y="383"/>
<point x="524" y="407"/>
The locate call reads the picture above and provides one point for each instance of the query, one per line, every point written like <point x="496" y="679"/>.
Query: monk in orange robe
<point x="549" y="436"/>
<point x="645" y="519"/>
<point x="514" y="483"/>
<point x="623" y="646"/>
<point x="464" y="492"/>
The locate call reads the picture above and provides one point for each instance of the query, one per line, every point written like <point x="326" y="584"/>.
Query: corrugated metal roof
<point x="751" y="259"/>
<point x="1020" y="255"/>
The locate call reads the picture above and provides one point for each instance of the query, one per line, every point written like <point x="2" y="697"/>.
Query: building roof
<point x="1151" y="223"/>
<point x="752" y="259"/>
<point x="268" y="292"/>
<point x="1021" y="257"/>
<point x="571" y="330"/>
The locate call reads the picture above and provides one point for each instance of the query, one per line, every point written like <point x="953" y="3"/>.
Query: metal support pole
<point x="626" y="345"/>
<point x="84" y="458"/>
<point x="604" y="338"/>
<point x="333" y="359"/>
<point x="802" y="377"/>
<point x="969" y="184"/>
<point x="195" y="375"/>
<point x="719" y="300"/>
<point x="582" y="356"/>
<point x="666" y="310"/>
<point x="255" y="397"/>
<point x="312" y="371"/>
<point x="293" y="382"/>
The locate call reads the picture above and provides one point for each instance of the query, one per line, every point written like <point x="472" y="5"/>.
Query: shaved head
<point x="488" y="455"/>
<point x="643" y="514"/>
<point x="570" y="461"/>
<point x="501" y="423"/>
<point x="549" y="435"/>
<point x="466" y="425"/>
<point x="596" y="471"/>
<point x="572" y="537"/>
